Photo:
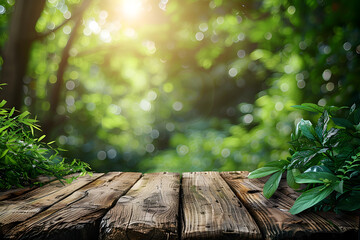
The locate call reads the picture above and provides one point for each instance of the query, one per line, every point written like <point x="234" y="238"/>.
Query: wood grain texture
<point x="77" y="216"/>
<point x="148" y="211"/>
<point x="18" y="209"/>
<point x="272" y="214"/>
<point x="12" y="193"/>
<point x="210" y="210"/>
<point x="347" y="224"/>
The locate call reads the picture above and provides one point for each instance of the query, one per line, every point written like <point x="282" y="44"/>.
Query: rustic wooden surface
<point x="148" y="211"/>
<point x="212" y="211"/>
<point x="77" y="216"/>
<point x="202" y="205"/>
<point x="16" y="210"/>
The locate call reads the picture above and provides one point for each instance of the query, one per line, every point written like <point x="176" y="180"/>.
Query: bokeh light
<point x="158" y="85"/>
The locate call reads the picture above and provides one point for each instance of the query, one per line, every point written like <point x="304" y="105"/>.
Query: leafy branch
<point x="23" y="157"/>
<point x="326" y="160"/>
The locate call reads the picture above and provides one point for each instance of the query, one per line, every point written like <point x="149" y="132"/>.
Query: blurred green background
<point x="178" y="85"/>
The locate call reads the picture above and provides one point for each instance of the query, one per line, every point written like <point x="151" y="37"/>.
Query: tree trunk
<point x="16" y="52"/>
<point x="50" y="118"/>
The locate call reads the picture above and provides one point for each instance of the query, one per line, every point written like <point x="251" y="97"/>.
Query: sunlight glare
<point x="94" y="26"/>
<point x="131" y="8"/>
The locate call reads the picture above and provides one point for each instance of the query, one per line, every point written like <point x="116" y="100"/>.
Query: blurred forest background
<point x="178" y="85"/>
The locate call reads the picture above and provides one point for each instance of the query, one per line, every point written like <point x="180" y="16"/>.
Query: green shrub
<point x="23" y="157"/>
<point x="324" y="157"/>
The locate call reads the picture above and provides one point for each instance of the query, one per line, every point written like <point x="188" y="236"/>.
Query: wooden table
<point x="194" y="205"/>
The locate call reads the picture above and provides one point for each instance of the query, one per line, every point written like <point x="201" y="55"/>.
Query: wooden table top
<point x="193" y="205"/>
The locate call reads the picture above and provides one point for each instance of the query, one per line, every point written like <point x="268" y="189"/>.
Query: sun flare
<point x="131" y="8"/>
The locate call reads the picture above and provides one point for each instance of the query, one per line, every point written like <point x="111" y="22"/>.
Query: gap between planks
<point x="210" y="209"/>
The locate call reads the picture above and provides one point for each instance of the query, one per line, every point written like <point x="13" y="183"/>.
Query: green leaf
<point x="318" y="168"/>
<point x="310" y="198"/>
<point x="32" y="130"/>
<point x="342" y="122"/>
<point x="10" y="160"/>
<point x="330" y="134"/>
<point x="318" y="108"/>
<point x="4" y="153"/>
<point x="279" y="164"/>
<point x="357" y="116"/>
<point x="24" y="114"/>
<point x="304" y="108"/>
<point x="321" y="126"/>
<point x="315" y="177"/>
<point x="310" y="107"/>
<point x="41" y="138"/>
<point x="69" y="180"/>
<point x="332" y="109"/>
<point x="272" y="184"/>
<point x="11" y="112"/>
<point x="350" y="203"/>
<point x="339" y="187"/>
<point x="290" y="178"/>
<point x="262" y="172"/>
<point x="2" y="103"/>
<point x="297" y="130"/>
<point x="304" y="159"/>
<point x="3" y="128"/>
<point x="352" y="109"/>
<point x="307" y="129"/>
<point x="354" y="174"/>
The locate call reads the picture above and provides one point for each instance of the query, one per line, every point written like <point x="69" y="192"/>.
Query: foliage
<point x="189" y="85"/>
<point x="23" y="157"/>
<point x="324" y="157"/>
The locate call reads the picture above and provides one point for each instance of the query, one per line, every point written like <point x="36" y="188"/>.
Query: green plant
<point x="325" y="158"/>
<point x="23" y="157"/>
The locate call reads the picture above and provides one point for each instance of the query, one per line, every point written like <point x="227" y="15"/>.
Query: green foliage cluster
<point x="324" y="157"/>
<point x="23" y="157"/>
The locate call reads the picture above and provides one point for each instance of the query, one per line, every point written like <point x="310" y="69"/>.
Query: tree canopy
<point x="188" y="85"/>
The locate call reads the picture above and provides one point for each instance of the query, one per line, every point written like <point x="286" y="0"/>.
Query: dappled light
<point x="157" y="85"/>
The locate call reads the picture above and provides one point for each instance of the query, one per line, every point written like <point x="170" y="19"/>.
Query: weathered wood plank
<point x="12" y="193"/>
<point x="347" y="224"/>
<point x="25" y="206"/>
<point x="77" y="216"/>
<point x="272" y="214"/>
<point x="148" y="211"/>
<point x="212" y="211"/>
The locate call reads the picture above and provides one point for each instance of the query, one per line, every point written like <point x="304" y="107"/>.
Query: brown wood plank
<point x="347" y="224"/>
<point x="272" y="214"/>
<point x="23" y="207"/>
<point x="212" y="211"/>
<point x="148" y="211"/>
<point x="12" y="193"/>
<point x="77" y="216"/>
